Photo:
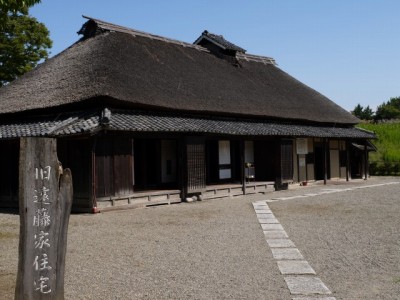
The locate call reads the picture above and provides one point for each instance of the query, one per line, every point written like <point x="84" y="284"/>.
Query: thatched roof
<point x="141" y="70"/>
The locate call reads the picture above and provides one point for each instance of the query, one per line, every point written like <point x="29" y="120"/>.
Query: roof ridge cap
<point x="219" y="40"/>
<point x="256" y="58"/>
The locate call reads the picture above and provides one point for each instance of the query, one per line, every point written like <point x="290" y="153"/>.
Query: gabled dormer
<point x="219" y="46"/>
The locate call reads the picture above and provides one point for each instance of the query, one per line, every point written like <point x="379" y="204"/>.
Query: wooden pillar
<point x="365" y="161"/>
<point x="242" y="163"/>
<point x="182" y="167"/>
<point x="306" y="167"/>
<point x="325" y="161"/>
<point x="347" y="160"/>
<point x="298" y="167"/>
<point x="93" y="175"/>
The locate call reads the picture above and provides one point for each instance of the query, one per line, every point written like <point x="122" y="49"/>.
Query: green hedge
<point x="384" y="168"/>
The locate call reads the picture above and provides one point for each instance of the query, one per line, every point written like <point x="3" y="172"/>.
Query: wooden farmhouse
<point x="142" y="119"/>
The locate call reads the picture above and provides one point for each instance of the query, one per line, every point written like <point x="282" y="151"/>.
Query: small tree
<point x="24" y="41"/>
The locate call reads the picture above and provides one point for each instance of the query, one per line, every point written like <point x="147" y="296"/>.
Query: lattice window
<point x="196" y="170"/>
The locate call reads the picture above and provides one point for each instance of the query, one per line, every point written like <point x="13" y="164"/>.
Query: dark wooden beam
<point x="365" y="161"/>
<point x="243" y="167"/>
<point x="347" y="160"/>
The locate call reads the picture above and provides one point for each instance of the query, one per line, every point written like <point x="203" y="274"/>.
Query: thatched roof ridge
<point x="103" y="26"/>
<point x="144" y="71"/>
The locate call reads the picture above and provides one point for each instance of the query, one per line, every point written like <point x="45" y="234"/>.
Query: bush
<point x="384" y="168"/>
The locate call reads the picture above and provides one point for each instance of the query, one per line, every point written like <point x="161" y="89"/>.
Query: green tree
<point x="15" y="5"/>
<point x="358" y="111"/>
<point x="389" y="110"/>
<point x="367" y="113"/>
<point x="24" y="41"/>
<point x="363" y="113"/>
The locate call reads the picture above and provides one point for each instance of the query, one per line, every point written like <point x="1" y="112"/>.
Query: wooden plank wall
<point x="114" y="166"/>
<point x="75" y="154"/>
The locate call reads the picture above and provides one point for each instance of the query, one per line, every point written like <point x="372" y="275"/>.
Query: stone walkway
<point x="299" y="276"/>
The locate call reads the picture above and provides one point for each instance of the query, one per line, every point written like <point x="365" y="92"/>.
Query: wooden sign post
<point x="45" y="199"/>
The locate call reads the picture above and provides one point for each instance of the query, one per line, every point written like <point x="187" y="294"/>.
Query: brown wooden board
<point x="45" y="203"/>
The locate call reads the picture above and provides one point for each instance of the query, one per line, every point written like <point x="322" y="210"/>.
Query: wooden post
<point x="93" y="177"/>
<point x="365" y="161"/>
<point x="325" y="161"/>
<point x="45" y="199"/>
<point x="243" y="167"/>
<point x="347" y="160"/>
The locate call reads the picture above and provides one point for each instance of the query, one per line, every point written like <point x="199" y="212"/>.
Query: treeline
<point x="389" y="110"/>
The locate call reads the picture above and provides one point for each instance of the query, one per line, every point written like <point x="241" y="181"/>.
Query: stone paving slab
<point x="275" y="234"/>
<point x="264" y="207"/>
<point x="268" y="221"/>
<point x="265" y="216"/>
<point x="261" y="202"/>
<point x="266" y="227"/>
<point x="286" y="253"/>
<point x="280" y="243"/>
<point x="295" y="267"/>
<point x="306" y="285"/>
<point x="313" y="298"/>
<point x="263" y="211"/>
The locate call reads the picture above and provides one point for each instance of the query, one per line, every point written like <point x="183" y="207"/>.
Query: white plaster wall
<point x="295" y="164"/>
<point x="310" y="172"/>
<point x="302" y="167"/>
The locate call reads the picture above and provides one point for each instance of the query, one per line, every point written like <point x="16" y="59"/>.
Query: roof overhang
<point x="364" y="145"/>
<point x="89" y="122"/>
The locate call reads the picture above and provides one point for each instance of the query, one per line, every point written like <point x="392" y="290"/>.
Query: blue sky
<point x="348" y="50"/>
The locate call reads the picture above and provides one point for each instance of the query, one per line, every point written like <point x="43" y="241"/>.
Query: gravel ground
<point x="351" y="239"/>
<point x="204" y="250"/>
<point x="216" y="249"/>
